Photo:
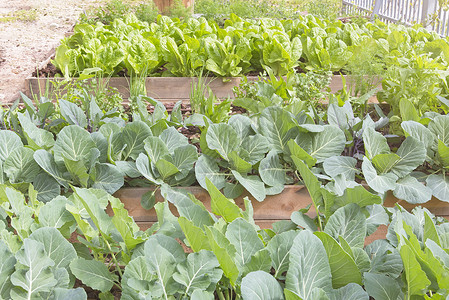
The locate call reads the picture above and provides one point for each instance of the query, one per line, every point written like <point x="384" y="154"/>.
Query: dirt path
<point x="25" y="44"/>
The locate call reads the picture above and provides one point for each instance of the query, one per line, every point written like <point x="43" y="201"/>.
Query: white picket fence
<point x="426" y="12"/>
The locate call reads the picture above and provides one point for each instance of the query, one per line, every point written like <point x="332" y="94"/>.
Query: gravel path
<point x="26" y="44"/>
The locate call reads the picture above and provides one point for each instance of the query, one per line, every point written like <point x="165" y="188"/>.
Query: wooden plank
<point x="172" y="89"/>
<point x="263" y="224"/>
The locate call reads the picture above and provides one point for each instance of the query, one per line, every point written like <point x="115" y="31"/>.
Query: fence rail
<point x="426" y="12"/>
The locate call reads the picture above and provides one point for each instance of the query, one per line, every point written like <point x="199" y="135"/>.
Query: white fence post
<point x="429" y="8"/>
<point x="376" y="9"/>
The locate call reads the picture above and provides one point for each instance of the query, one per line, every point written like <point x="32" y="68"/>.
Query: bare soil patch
<point x="26" y="44"/>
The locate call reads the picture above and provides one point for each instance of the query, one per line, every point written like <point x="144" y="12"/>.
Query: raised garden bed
<point x="173" y="89"/>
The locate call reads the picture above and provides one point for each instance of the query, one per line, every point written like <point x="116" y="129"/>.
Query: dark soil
<point x="48" y="71"/>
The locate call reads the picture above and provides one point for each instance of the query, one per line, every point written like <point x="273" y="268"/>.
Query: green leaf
<point x="155" y="148"/>
<point x="310" y="180"/>
<point x="78" y="171"/>
<point x="7" y="263"/>
<point x="238" y="163"/>
<point x="224" y="251"/>
<point x="206" y="167"/>
<point x="134" y="135"/>
<point x="47" y="187"/>
<point x="34" y="274"/>
<point x="108" y="178"/>
<point x="443" y="153"/>
<point x="143" y="165"/>
<point x="165" y="168"/>
<point x="93" y="273"/>
<point x="430" y="231"/>
<point x="358" y="195"/>
<point x="46" y="161"/>
<point x="343" y="267"/>
<point x="385" y="162"/>
<point x="195" y="235"/>
<point x="296" y="150"/>
<point x="303" y="220"/>
<point x="341" y="165"/>
<point x="72" y="113"/>
<point x="419" y="132"/>
<point x="173" y="139"/>
<point x="412" y="153"/>
<point x="348" y="222"/>
<point x="279" y="247"/>
<point x="74" y="143"/>
<point x="408" y="110"/>
<point x="200" y="271"/>
<point x="252" y="184"/>
<point x="261" y="285"/>
<point x="330" y="142"/>
<point x="439" y="185"/>
<point x="221" y="205"/>
<point x="20" y="166"/>
<point x="276" y="125"/>
<point x="309" y="267"/>
<point x="374" y="143"/>
<point x="351" y="291"/>
<point x="412" y="191"/>
<point x="39" y="137"/>
<point x="202" y="295"/>
<point x="271" y="170"/>
<point x="9" y="142"/>
<point x="417" y="281"/>
<point x="184" y="157"/>
<point x="379" y="183"/>
<point x="439" y="127"/>
<point x="380" y="286"/>
<point x="56" y="247"/>
<point x="256" y="146"/>
<point x="245" y="239"/>
<point x="223" y="138"/>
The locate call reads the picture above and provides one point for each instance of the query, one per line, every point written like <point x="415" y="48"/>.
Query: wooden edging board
<point x="274" y="208"/>
<point x="172" y="89"/>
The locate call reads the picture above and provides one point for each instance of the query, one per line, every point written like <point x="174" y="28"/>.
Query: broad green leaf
<point x="93" y="273"/>
<point x="40" y="137"/>
<point x="303" y="220"/>
<point x="72" y="113"/>
<point x="261" y="285"/>
<point x="379" y="183"/>
<point x="260" y="261"/>
<point x="256" y="146"/>
<point x="195" y="235"/>
<point x="223" y="138"/>
<point x="343" y="267"/>
<point x="173" y="139"/>
<point x="419" y="132"/>
<point x="309" y="267"/>
<point x="47" y="187"/>
<point x="143" y="165"/>
<point x="438" y="252"/>
<point x="279" y="247"/>
<point x="351" y="291"/>
<point x="20" y="166"/>
<point x="408" y="110"/>
<point x="380" y="286"/>
<point x="271" y="170"/>
<point x="385" y="162"/>
<point x="245" y="239"/>
<point x="166" y="168"/>
<point x="224" y="251"/>
<point x="358" y="195"/>
<point x="54" y="214"/>
<point x="233" y="190"/>
<point x="412" y="153"/>
<point x="439" y="186"/>
<point x="439" y="127"/>
<point x="72" y="294"/>
<point x="7" y="263"/>
<point x="202" y="295"/>
<point x="276" y="125"/>
<point x="221" y="205"/>
<point x="46" y="161"/>
<point x="9" y="142"/>
<point x="412" y="191"/>
<point x="252" y="184"/>
<point x="443" y="153"/>
<point x="310" y="180"/>
<point x="74" y="143"/>
<point x="341" y="165"/>
<point x="184" y="157"/>
<point x="206" y="167"/>
<point x="108" y="178"/>
<point x="374" y="143"/>
<point x="377" y="216"/>
<point x="348" y="222"/>
<point x="296" y="150"/>
<point x="242" y="125"/>
<point x="133" y="135"/>
<point x="417" y="281"/>
<point x="56" y="247"/>
<point x="200" y="271"/>
<point x="136" y="279"/>
<point x="155" y="148"/>
<point x="78" y="171"/>
<point x="239" y="164"/>
<point x="330" y="142"/>
<point x="430" y="231"/>
<point x="34" y="274"/>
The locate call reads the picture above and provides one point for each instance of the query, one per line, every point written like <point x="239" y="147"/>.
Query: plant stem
<point x="114" y="259"/>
